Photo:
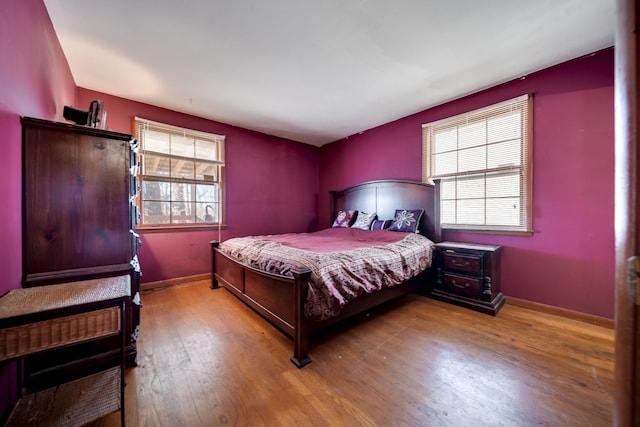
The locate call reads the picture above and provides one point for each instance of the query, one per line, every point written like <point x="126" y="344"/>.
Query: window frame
<point x="218" y="179"/>
<point x="523" y="104"/>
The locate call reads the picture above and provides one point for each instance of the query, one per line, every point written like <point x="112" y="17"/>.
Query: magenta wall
<point x="569" y="260"/>
<point x="34" y="81"/>
<point x="271" y="187"/>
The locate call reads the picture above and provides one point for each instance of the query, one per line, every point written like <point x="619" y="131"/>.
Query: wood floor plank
<point x="205" y="359"/>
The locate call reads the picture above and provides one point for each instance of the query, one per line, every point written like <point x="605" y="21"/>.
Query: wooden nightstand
<point x="469" y="275"/>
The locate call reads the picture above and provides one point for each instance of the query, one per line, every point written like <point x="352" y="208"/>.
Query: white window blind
<point x="182" y="175"/>
<point x="483" y="159"/>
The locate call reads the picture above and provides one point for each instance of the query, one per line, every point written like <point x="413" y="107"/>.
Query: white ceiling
<point x="316" y="71"/>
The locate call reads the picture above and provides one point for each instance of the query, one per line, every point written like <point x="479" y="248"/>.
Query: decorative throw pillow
<point x="364" y="220"/>
<point x="407" y="220"/>
<point x="344" y="218"/>
<point x="381" y="224"/>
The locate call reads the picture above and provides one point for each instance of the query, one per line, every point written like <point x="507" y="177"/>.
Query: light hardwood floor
<point x="205" y="359"/>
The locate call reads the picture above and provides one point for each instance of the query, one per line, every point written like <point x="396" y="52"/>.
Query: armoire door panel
<point x="76" y="201"/>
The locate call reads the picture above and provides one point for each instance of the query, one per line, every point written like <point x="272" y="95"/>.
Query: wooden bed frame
<point x="280" y="299"/>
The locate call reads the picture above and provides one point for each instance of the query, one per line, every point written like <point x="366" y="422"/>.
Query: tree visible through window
<point x="181" y="175"/>
<point x="483" y="161"/>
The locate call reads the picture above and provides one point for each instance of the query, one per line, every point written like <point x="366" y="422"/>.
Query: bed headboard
<point x="385" y="196"/>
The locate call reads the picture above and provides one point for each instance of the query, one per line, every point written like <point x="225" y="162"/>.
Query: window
<point x="483" y="160"/>
<point x="181" y="176"/>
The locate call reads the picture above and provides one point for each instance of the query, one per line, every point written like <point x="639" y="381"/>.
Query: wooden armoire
<point x="79" y="217"/>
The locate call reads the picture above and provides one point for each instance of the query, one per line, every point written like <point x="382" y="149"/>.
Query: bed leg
<point x="301" y="363"/>
<point x="301" y="335"/>
<point x="300" y="356"/>
<point x="214" y="282"/>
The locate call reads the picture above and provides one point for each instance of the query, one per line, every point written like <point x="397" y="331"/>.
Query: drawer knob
<point x="466" y="263"/>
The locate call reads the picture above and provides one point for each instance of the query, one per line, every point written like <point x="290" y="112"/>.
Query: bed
<point x="283" y="297"/>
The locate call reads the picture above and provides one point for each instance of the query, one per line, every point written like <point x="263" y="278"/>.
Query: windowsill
<point x="492" y="232"/>
<point x="178" y="228"/>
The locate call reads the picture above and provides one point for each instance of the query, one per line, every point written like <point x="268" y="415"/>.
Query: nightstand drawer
<point x="462" y="285"/>
<point x="471" y="264"/>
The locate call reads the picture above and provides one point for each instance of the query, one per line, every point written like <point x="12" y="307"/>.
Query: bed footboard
<point x="278" y="298"/>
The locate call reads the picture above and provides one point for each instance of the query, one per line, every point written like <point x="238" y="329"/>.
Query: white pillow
<point x="364" y="220"/>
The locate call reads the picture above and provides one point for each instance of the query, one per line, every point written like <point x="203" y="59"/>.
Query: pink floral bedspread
<point x="344" y="262"/>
